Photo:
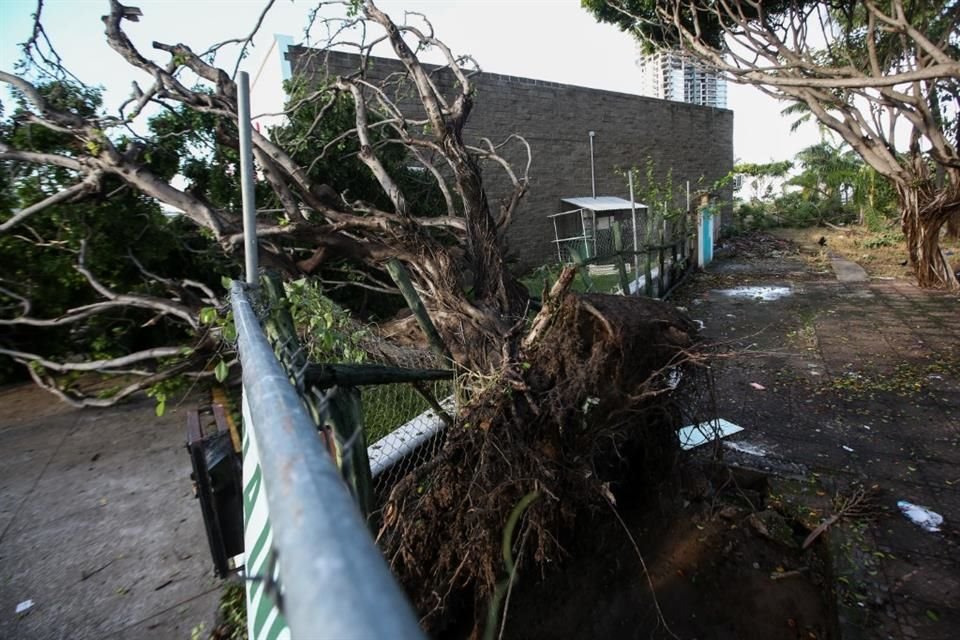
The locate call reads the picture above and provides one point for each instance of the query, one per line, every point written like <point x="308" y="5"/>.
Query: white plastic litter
<point x="695" y="435"/>
<point x="742" y="446"/>
<point x="921" y="516"/>
<point x="674" y="376"/>
<point x="24" y="606"/>
<point x="846" y="448"/>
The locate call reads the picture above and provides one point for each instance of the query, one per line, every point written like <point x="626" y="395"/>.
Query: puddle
<point x="763" y="294"/>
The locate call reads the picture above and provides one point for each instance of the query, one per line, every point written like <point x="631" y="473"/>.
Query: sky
<point x="553" y="40"/>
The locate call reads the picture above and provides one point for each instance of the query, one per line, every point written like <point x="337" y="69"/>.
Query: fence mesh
<point x="402" y="425"/>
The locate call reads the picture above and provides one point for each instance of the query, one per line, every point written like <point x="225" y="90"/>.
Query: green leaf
<point x="161" y="408"/>
<point x="229" y="332"/>
<point x="208" y="315"/>
<point x="933" y="615"/>
<point x="226" y="281"/>
<point x="221" y="371"/>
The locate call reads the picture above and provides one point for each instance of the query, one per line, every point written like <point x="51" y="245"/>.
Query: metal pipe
<point x="636" y="246"/>
<point x="246" y="179"/>
<point x="593" y="175"/>
<point x="334" y="577"/>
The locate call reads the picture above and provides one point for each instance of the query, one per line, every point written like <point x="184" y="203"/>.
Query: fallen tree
<point x="553" y="405"/>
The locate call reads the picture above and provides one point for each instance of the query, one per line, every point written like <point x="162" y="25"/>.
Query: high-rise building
<point x="677" y="76"/>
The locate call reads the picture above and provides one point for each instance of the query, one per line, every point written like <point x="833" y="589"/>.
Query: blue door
<point x="706" y="237"/>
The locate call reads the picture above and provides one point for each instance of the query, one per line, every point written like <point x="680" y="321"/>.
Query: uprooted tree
<point x="879" y="73"/>
<point x="553" y="402"/>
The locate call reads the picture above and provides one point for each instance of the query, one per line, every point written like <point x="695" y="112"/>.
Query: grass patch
<point x="387" y="406"/>
<point x="547" y="275"/>
<point x="881" y="254"/>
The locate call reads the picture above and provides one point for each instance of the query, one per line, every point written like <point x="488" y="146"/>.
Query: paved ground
<point x="856" y="381"/>
<point x="98" y="524"/>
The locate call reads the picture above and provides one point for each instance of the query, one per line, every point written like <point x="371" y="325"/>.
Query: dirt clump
<point x="587" y="409"/>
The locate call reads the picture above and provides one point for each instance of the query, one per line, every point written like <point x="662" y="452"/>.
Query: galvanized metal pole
<point x="593" y="176"/>
<point x="636" y="247"/>
<point x="246" y="178"/>
<point x="335" y="580"/>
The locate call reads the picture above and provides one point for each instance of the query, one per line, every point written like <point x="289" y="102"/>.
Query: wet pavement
<point x="98" y="525"/>
<point x="850" y="381"/>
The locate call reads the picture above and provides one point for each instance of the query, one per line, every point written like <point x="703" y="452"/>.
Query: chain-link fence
<point x="653" y="270"/>
<point x="310" y="560"/>
<point x="405" y="423"/>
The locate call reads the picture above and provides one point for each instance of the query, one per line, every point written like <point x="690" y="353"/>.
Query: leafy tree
<point x="760" y="178"/>
<point x="349" y="185"/>
<point x="63" y="274"/>
<point x="865" y="70"/>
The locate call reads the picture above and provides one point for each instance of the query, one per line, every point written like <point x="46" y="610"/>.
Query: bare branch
<point x="95" y="365"/>
<point x="78" y="400"/>
<point x="244" y="41"/>
<point x="162" y="305"/>
<point x="34" y="157"/>
<point x="89" y="184"/>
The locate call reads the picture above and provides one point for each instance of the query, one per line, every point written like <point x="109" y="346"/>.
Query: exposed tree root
<point x="590" y="388"/>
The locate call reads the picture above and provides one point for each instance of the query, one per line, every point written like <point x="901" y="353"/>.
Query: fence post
<point x="248" y="195"/>
<point x="662" y="255"/>
<point x="618" y="252"/>
<point x="636" y="243"/>
<point x="648" y="270"/>
<point x="402" y="280"/>
<point x="345" y="417"/>
<point x="581" y="263"/>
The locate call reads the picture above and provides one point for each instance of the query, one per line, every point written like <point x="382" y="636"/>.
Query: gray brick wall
<point x="555" y="119"/>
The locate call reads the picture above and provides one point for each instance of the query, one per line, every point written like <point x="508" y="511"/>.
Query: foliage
<point x="125" y="234"/>
<point x="328" y="332"/>
<point x="333" y="158"/>
<point x="831" y="184"/>
<point x="233" y="614"/>
<point x="864" y="70"/>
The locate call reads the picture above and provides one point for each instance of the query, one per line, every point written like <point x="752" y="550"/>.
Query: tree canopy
<point x="884" y="75"/>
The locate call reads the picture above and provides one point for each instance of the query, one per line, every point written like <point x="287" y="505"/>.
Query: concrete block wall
<point x="696" y="142"/>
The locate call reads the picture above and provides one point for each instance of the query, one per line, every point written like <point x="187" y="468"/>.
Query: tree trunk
<point x="924" y="213"/>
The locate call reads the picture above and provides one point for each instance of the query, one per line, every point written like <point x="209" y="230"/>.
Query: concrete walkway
<point x="847" y="270"/>
<point x="855" y="381"/>
<point x="98" y="523"/>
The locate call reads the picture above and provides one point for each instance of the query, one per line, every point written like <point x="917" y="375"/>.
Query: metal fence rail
<point x="333" y="582"/>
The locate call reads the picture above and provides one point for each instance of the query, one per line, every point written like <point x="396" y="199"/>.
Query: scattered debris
<point x="24" y="606"/>
<point x="846" y="448"/>
<point x="87" y="574"/>
<point x="742" y="446"/>
<point x="773" y="526"/>
<point x="859" y="504"/>
<point x="674" y="376"/>
<point x="695" y="435"/>
<point x="921" y="516"/>
<point x="758" y="386"/>
<point x="780" y="575"/>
